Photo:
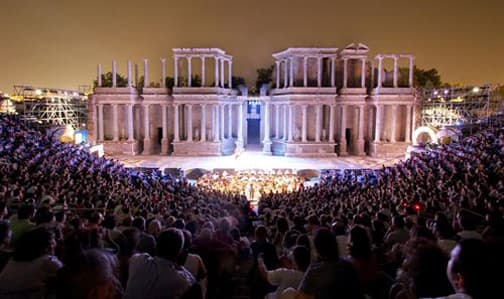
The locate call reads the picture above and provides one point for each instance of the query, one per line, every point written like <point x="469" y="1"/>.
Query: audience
<point x="73" y="225"/>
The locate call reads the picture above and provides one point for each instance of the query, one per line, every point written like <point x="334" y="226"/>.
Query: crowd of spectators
<point x="73" y="225"/>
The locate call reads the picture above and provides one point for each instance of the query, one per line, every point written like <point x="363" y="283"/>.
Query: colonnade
<point x="396" y="58"/>
<point x="288" y="70"/>
<point x="379" y="122"/>
<point x="219" y="70"/>
<point x="218" y="131"/>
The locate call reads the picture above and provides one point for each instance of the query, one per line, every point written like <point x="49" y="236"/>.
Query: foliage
<point x="427" y="78"/>
<point x="169" y="82"/>
<point x="196" y="81"/>
<point x="107" y="80"/>
<point x="264" y="76"/>
<point x="237" y="81"/>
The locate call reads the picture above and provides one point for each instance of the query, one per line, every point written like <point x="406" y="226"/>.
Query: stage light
<point x="476" y="89"/>
<point x="435" y="92"/>
<point x="417" y="207"/>
<point x="446" y="91"/>
<point x="38" y="92"/>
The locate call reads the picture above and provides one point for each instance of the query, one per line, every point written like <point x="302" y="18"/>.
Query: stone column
<point x="363" y="73"/>
<point x="222" y="73"/>
<point x="305" y="71"/>
<point x="147" y="141"/>
<point x="163" y="72"/>
<point x="394" y="120"/>
<point x="189" y="128"/>
<point x="221" y="117"/>
<point x="240" y="126"/>
<point x="146" y="73"/>
<point x="333" y="72"/>
<point x="99" y="75"/>
<point x="230" y="121"/>
<point x="319" y="71"/>
<point x="176" y="131"/>
<point x="345" y="72"/>
<point x="378" y="123"/>
<point x="284" y="135"/>
<point x="115" y="123"/>
<point x="395" y="71"/>
<point x="217" y="84"/>
<point x="408" y="123"/>
<point x="164" y="139"/>
<point x="130" y="123"/>
<point x="203" y="123"/>
<point x="277" y="69"/>
<point x="360" y="137"/>
<point x="286" y="77"/>
<point x="411" y="71"/>
<point x="189" y="71"/>
<point x="100" y="122"/>
<point x="267" y="140"/>
<point x="114" y="74"/>
<point x="305" y="123"/>
<point x="277" y="121"/>
<point x="380" y="64"/>
<point x="130" y="78"/>
<point x="318" y="122"/>
<point x="175" y="71"/>
<point x="203" y="74"/>
<point x="215" y="123"/>
<point x="230" y="74"/>
<point x="291" y="72"/>
<point x="291" y="122"/>
<point x="343" y="143"/>
<point x="331" y="124"/>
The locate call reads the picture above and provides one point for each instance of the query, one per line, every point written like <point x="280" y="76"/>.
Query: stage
<point x="255" y="160"/>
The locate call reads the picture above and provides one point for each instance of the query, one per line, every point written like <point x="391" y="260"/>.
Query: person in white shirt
<point x="161" y="276"/>
<point x="287" y="278"/>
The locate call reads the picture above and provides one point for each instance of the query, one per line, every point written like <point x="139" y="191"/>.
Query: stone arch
<point x="425" y="130"/>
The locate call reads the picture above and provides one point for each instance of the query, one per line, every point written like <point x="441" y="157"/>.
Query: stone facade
<point x="323" y="102"/>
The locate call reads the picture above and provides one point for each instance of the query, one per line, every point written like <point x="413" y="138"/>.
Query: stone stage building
<point x="322" y="102"/>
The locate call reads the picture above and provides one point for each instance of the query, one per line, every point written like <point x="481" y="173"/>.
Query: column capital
<point x="203" y="105"/>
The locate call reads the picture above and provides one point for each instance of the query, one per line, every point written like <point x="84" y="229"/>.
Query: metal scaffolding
<point x="52" y="106"/>
<point x="468" y="105"/>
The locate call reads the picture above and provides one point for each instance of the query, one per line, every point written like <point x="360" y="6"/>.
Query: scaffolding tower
<point x="52" y="106"/>
<point x="456" y="106"/>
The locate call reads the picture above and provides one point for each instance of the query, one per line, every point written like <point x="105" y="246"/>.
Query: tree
<point x="264" y="76"/>
<point x="427" y="78"/>
<point x="107" y="80"/>
<point x="237" y="81"/>
<point x="421" y="78"/>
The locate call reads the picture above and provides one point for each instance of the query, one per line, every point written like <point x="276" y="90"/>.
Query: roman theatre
<point x="322" y="102"/>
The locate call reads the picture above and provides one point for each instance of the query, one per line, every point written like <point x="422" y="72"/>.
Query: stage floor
<point x="255" y="160"/>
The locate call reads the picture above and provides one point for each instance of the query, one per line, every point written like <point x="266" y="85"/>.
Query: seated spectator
<point x="467" y="223"/>
<point x="161" y="276"/>
<point x="22" y="222"/>
<point x="423" y="273"/>
<point x="285" y="278"/>
<point x="5" y="240"/>
<point x="362" y="258"/>
<point x="147" y="242"/>
<point x="88" y="276"/>
<point x="397" y="233"/>
<point x="470" y="271"/>
<point x="330" y="276"/>
<point x="32" y="270"/>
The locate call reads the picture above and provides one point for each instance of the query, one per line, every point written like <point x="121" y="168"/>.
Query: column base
<point x="239" y="145"/>
<point x="164" y="146"/>
<point x="267" y="147"/>
<point x="343" y="151"/>
<point x="359" y="148"/>
<point x="147" y="147"/>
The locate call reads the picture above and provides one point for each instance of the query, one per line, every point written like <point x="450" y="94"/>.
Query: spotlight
<point x="38" y="92"/>
<point x="476" y="89"/>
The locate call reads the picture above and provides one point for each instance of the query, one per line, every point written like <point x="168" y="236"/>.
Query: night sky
<point x="57" y="43"/>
